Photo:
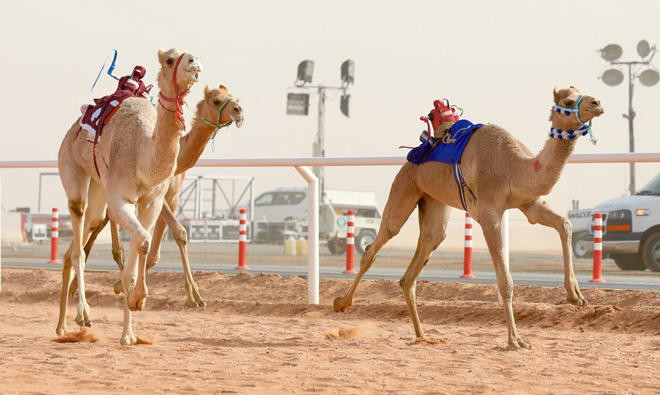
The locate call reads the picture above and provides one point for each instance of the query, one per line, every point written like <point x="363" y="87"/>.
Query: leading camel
<point x="503" y="174"/>
<point x="136" y="156"/>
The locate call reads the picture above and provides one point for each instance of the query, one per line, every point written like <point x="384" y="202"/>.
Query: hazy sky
<point x="499" y="60"/>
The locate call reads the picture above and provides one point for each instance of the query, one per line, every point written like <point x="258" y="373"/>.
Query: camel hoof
<point x="202" y="304"/>
<point x="127" y="340"/>
<point x="118" y="288"/>
<point x="60" y="331"/>
<point x="339" y="305"/>
<point x="135" y="301"/>
<point x="518" y="343"/>
<point x="578" y="301"/>
<point x="428" y="340"/>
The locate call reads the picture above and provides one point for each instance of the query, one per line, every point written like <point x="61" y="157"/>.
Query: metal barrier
<point x="301" y="166"/>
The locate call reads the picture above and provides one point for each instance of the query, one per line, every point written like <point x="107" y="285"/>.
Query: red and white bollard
<point x="467" y="253"/>
<point x="242" y="240"/>
<point x="598" y="249"/>
<point x="350" y="243"/>
<point x="54" y="236"/>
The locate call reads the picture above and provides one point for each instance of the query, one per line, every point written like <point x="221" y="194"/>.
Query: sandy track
<point x="257" y="334"/>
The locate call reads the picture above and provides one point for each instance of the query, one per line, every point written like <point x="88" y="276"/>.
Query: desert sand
<point x="257" y="335"/>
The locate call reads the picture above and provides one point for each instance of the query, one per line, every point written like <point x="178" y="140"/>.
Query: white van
<point x="290" y="205"/>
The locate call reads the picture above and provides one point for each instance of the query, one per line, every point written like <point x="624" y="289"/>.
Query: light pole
<point x="614" y="76"/>
<point x="298" y="104"/>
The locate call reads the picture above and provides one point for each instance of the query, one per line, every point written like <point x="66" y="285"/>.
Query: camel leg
<point x="117" y="247"/>
<point x="88" y="248"/>
<point x="401" y="202"/>
<point x="117" y="252"/>
<point x="181" y="238"/>
<point x="539" y="212"/>
<point x="67" y="269"/>
<point x="123" y="213"/>
<point x="92" y="218"/>
<point x="433" y="218"/>
<point x="133" y="275"/>
<point x="76" y="184"/>
<point x="491" y="226"/>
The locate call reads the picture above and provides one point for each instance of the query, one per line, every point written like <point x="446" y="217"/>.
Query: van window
<point x="265" y="199"/>
<point x="282" y="199"/>
<point x="297" y="197"/>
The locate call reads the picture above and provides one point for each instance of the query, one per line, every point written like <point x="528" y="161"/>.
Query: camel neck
<point x="161" y="154"/>
<point x="546" y="167"/>
<point x="193" y="144"/>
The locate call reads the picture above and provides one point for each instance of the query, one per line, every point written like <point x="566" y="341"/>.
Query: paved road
<point x="527" y="278"/>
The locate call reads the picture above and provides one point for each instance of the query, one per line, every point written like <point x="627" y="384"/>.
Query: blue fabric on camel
<point x="447" y="153"/>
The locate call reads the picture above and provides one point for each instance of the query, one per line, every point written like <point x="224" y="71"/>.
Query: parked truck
<point x="631" y="229"/>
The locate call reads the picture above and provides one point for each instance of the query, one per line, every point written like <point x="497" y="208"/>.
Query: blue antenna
<point x="111" y="68"/>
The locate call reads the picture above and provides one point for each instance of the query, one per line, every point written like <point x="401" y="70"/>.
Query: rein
<point x="177" y="99"/>
<point x="585" y="128"/>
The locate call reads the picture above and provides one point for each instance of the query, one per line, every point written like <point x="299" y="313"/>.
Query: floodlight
<point x="305" y="71"/>
<point x="343" y="104"/>
<point x="649" y="77"/>
<point x="297" y="103"/>
<point x="643" y="48"/>
<point x="348" y="72"/>
<point x="611" y="52"/>
<point x="612" y="77"/>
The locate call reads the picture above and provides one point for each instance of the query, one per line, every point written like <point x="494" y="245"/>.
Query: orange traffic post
<point x="598" y="249"/>
<point x="350" y="243"/>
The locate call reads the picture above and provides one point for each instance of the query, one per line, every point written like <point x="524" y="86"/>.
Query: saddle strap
<point x="462" y="185"/>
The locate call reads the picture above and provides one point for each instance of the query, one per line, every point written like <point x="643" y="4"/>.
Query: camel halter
<point x="217" y="125"/>
<point x="177" y="99"/>
<point x="584" y="129"/>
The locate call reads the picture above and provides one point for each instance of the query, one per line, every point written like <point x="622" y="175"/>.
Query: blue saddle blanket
<point x="450" y="153"/>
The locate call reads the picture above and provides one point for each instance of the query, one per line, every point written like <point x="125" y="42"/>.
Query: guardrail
<point x="301" y="164"/>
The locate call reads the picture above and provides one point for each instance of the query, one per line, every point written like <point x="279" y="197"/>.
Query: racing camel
<point x="503" y="174"/>
<point x="219" y="109"/>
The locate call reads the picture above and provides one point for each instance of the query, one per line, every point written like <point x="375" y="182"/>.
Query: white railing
<point x="301" y="164"/>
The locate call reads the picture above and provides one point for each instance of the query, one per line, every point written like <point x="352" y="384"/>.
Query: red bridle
<point x="177" y="99"/>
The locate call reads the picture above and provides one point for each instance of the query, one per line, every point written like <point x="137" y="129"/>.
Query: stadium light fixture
<point x="613" y="77"/>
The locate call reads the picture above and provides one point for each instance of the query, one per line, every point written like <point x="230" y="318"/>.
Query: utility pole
<point x="318" y="148"/>
<point x="631" y="129"/>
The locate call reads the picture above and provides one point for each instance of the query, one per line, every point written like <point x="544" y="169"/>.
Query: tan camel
<point x="503" y="174"/>
<point x="217" y="110"/>
<point x="136" y="156"/>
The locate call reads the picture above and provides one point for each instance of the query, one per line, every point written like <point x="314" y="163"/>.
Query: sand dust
<point x="258" y="335"/>
<point x="84" y="335"/>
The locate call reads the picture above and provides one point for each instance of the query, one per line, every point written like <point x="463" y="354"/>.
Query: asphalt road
<point x="527" y="278"/>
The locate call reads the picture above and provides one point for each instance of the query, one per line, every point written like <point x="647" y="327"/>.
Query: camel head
<point x="179" y="66"/>
<point x="220" y="108"/>
<point x="573" y="110"/>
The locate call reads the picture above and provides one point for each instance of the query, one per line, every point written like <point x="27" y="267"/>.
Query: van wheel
<point x="651" y="252"/>
<point x="582" y="246"/>
<point x="337" y="246"/>
<point x="629" y="262"/>
<point x="365" y="238"/>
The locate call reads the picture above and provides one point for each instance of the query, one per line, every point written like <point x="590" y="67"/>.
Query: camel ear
<point x="207" y="92"/>
<point x="556" y="93"/>
<point x="222" y="88"/>
<point x="164" y="58"/>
